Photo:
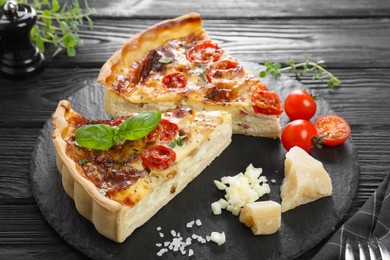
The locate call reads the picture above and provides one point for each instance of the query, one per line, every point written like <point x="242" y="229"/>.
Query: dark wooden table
<point x="352" y="36"/>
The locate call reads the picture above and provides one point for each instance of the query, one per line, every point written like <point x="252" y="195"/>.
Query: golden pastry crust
<point x="104" y="212"/>
<point x="116" y="220"/>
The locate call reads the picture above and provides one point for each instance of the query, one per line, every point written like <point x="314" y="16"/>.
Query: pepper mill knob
<point x="19" y="58"/>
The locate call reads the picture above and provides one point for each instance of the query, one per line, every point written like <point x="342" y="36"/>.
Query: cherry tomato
<point x="164" y="132"/>
<point x="204" y="52"/>
<point x="299" y="133"/>
<point x="224" y="70"/>
<point x="174" y="80"/>
<point x="265" y="102"/>
<point x="332" y="129"/>
<point x="158" y="157"/>
<point x="300" y="105"/>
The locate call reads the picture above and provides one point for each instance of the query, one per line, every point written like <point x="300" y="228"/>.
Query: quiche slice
<point x="176" y="64"/>
<point x="121" y="188"/>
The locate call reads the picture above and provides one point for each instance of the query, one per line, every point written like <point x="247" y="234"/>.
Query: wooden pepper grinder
<point x="19" y="58"/>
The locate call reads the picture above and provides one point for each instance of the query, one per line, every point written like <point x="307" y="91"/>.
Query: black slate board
<point x="302" y="228"/>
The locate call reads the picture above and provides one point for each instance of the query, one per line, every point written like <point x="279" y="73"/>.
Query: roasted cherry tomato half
<point x="299" y="133"/>
<point x="158" y="157"/>
<point x="204" y="52"/>
<point x="174" y="80"/>
<point x="300" y="105"/>
<point x="332" y="129"/>
<point x="224" y="70"/>
<point x="164" y="132"/>
<point x="265" y="102"/>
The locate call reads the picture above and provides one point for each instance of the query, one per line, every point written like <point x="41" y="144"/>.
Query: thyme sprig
<point x="316" y="69"/>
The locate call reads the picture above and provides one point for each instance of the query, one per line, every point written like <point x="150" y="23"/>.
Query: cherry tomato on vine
<point x="300" y="133"/>
<point x="332" y="129"/>
<point x="300" y="105"/>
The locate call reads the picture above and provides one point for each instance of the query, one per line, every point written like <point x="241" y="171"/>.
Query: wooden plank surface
<point x="243" y="8"/>
<point x="343" y="43"/>
<point x="361" y="92"/>
<point x="351" y="36"/>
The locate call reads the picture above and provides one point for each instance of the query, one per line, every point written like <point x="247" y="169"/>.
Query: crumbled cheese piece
<point x="220" y="185"/>
<point x="218" y="238"/>
<point x="190" y="252"/>
<point x="161" y="234"/>
<point x="198" y="222"/>
<point x="240" y="189"/>
<point x="273" y="181"/>
<point x="216" y="208"/>
<point x="158" y="228"/>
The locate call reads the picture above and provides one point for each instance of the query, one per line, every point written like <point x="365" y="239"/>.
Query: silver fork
<point x="383" y="252"/>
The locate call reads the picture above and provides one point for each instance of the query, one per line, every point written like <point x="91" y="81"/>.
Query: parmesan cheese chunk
<point x="263" y="217"/>
<point x="305" y="179"/>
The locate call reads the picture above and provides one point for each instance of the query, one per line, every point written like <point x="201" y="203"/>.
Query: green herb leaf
<point x="177" y="141"/>
<point x="98" y="137"/>
<point x="55" y="20"/>
<point x="317" y="69"/>
<point x="82" y="162"/>
<point x="139" y="126"/>
<point x="165" y="60"/>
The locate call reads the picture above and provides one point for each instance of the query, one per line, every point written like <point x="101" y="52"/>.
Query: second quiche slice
<point x="174" y="64"/>
<point x="121" y="188"/>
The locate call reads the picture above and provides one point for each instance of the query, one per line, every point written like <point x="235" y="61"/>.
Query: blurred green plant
<point x="58" y="25"/>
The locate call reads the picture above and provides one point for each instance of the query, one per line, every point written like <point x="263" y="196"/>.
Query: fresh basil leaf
<point x="98" y="137"/>
<point x="139" y="126"/>
<point x="165" y="60"/>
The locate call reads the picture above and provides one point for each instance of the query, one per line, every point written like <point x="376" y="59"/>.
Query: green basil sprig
<point x="103" y="137"/>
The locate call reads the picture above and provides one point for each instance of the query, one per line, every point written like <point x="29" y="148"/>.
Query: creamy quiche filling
<point x="194" y="68"/>
<point x="128" y="171"/>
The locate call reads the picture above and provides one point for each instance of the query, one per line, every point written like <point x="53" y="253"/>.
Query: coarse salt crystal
<point x="190" y="224"/>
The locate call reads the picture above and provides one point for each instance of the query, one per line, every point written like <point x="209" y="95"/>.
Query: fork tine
<point x="348" y="251"/>
<point x="382" y="249"/>
<point x="362" y="255"/>
<point x="372" y="252"/>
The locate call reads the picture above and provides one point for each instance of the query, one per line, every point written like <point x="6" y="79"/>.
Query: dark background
<point x="353" y="37"/>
